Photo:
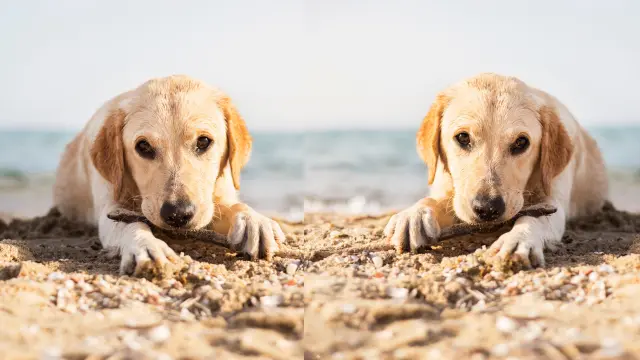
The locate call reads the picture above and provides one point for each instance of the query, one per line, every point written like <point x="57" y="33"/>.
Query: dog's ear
<point x="428" y="137"/>
<point x="238" y="139"/>
<point x="556" y="147"/>
<point x="107" y="152"/>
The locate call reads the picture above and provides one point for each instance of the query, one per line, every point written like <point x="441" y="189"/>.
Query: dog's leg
<point x="526" y="241"/>
<point x="136" y="244"/>
<point x="249" y="232"/>
<point x="419" y="226"/>
<point x="529" y="237"/>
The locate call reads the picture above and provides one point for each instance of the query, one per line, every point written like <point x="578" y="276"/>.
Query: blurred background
<point x="332" y="91"/>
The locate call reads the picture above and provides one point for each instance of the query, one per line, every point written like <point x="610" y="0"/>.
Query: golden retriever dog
<point x="173" y="149"/>
<point x="492" y="145"/>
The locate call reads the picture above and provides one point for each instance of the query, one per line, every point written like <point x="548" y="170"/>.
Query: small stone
<point x="159" y="333"/>
<point x="573" y="333"/>
<point x="606" y="268"/>
<point x="611" y="348"/>
<point x="186" y="315"/>
<point x="52" y="353"/>
<point x="284" y="344"/>
<point x="500" y="350"/>
<point x="576" y="280"/>
<point x="385" y="335"/>
<point x="55" y="276"/>
<point x="271" y="300"/>
<point x="349" y="308"/>
<point x="91" y="341"/>
<point x="377" y="261"/>
<point x="69" y="284"/>
<point x="397" y="293"/>
<point x="292" y="268"/>
<point x="505" y="324"/>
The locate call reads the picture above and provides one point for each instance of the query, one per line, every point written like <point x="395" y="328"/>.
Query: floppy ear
<point x="107" y="152"/>
<point x="556" y="147"/>
<point x="238" y="139"/>
<point x="428" y="136"/>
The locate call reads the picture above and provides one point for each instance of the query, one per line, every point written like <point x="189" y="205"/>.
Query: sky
<point x="313" y="65"/>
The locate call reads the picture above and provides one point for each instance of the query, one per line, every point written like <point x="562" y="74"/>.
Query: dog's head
<point x="498" y="140"/>
<point x="166" y="145"/>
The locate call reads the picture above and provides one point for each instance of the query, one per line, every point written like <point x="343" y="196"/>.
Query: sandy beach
<point x="328" y="117"/>
<point x="61" y="297"/>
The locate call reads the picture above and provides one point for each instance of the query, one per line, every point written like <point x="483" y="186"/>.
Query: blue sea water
<point x="290" y="173"/>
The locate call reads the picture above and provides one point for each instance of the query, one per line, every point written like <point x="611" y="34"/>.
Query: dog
<point x="492" y="145"/>
<point x="173" y="149"/>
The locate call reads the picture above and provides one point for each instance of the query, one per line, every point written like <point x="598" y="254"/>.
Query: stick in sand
<point x="210" y="236"/>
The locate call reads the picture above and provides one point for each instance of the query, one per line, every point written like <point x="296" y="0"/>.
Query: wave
<point x="355" y="205"/>
<point x="12" y="178"/>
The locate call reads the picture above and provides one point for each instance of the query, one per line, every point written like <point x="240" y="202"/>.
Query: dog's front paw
<point x="413" y="229"/>
<point x="255" y="235"/>
<point x="146" y="254"/>
<point x="519" y="249"/>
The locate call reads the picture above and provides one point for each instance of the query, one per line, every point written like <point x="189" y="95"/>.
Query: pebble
<point x="284" y="344"/>
<point x="606" y="268"/>
<point x="271" y="300"/>
<point x="292" y="268"/>
<point x="384" y="335"/>
<point x="186" y="315"/>
<point x="500" y="350"/>
<point x="397" y="293"/>
<point x="573" y="333"/>
<point x="377" y="261"/>
<point x="611" y="348"/>
<point x="505" y="324"/>
<point x="52" y="353"/>
<point x="92" y="341"/>
<point x="217" y="285"/>
<point x="578" y="279"/>
<point x="349" y="308"/>
<point x="55" y="276"/>
<point x="159" y="333"/>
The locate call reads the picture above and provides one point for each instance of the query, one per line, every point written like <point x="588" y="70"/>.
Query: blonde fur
<point x="562" y="165"/>
<point x="101" y="170"/>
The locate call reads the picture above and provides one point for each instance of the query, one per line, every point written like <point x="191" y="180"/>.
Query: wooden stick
<point x="127" y="216"/>
<point x="483" y="228"/>
<point x="210" y="236"/>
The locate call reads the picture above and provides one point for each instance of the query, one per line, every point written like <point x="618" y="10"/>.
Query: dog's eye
<point x="464" y="140"/>
<point x="520" y="145"/>
<point x="145" y="149"/>
<point x="202" y="144"/>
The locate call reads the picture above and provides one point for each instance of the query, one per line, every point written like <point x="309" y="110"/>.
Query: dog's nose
<point x="177" y="214"/>
<point x="488" y="208"/>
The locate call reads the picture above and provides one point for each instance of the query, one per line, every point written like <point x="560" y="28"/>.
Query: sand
<point x="61" y="297"/>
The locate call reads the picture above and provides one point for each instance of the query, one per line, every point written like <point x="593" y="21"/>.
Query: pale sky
<point x="302" y="65"/>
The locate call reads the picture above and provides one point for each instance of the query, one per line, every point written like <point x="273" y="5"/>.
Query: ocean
<point x="353" y="172"/>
